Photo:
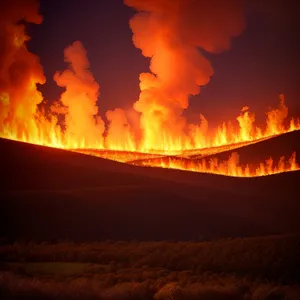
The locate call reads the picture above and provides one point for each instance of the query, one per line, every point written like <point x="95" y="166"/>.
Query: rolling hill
<point x="55" y="194"/>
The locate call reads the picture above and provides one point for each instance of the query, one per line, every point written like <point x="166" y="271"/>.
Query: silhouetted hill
<point x="49" y="193"/>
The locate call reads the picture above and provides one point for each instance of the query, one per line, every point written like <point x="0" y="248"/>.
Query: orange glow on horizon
<point x="42" y="130"/>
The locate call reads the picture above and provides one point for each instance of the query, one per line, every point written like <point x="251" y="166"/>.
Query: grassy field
<point x="250" y="268"/>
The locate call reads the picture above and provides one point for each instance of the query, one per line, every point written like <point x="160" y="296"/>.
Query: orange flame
<point x="161" y="102"/>
<point x="231" y="167"/>
<point x="34" y="127"/>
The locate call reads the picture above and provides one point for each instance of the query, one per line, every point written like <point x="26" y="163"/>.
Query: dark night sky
<point x="262" y="63"/>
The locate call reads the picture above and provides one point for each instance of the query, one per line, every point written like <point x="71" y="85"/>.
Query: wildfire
<point x="162" y="100"/>
<point x="230" y="167"/>
<point x="44" y="130"/>
<point x="29" y="124"/>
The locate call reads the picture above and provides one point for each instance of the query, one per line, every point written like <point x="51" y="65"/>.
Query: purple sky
<point x="262" y="63"/>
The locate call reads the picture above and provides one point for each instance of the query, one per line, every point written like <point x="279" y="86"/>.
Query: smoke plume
<point x="119" y="132"/>
<point x="20" y="70"/>
<point x="173" y="34"/>
<point x="80" y="98"/>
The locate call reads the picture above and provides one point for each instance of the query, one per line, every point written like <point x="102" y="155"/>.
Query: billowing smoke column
<point x="20" y="70"/>
<point x="80" y="99"/>
<point x="171" y="33"/>
<point x="119" y="135"/>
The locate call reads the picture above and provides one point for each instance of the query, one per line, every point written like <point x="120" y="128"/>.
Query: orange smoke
<point x="20" y="71"/>
<point x="82" y="91"/>
<point x="170" y="33"/>
<point x="119" y="134"/>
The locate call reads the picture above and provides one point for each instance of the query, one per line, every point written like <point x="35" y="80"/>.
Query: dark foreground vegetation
<point x="245" y="268"/>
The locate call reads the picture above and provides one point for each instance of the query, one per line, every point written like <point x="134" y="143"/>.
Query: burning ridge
<point x="230" y="167"/>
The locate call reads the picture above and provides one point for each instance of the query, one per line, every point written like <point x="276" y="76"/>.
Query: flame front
<point x="230" y="167"/>
<point x="163" y="97"/>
